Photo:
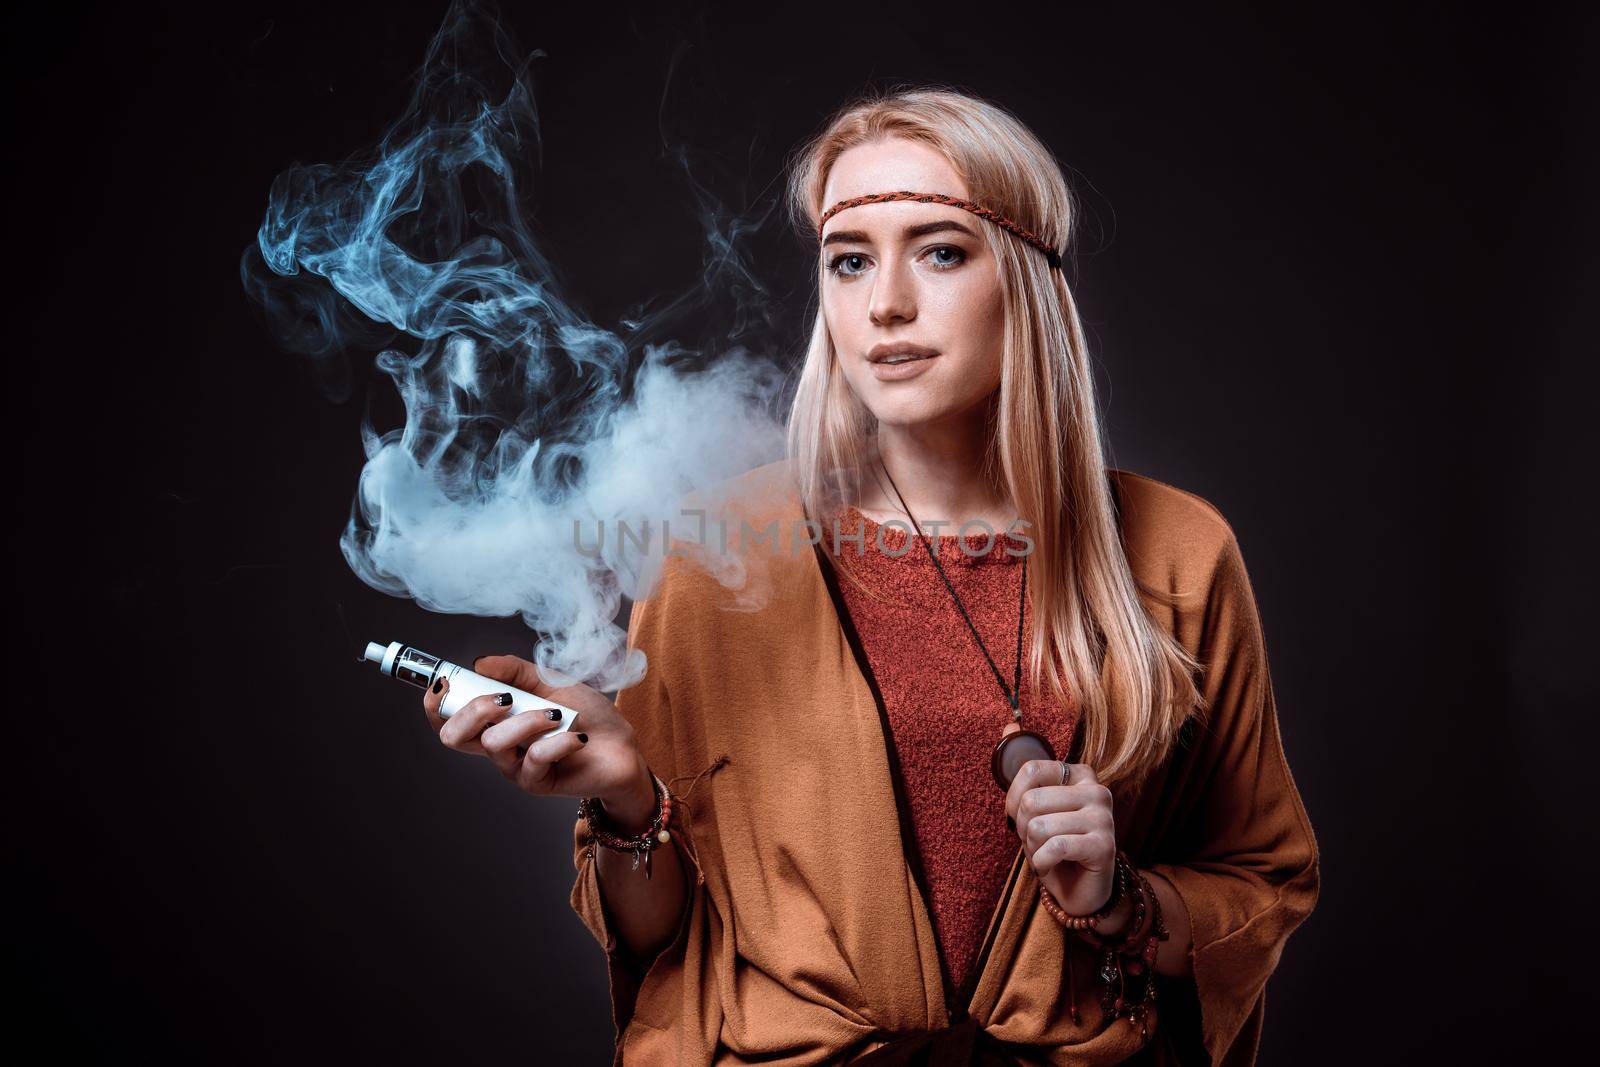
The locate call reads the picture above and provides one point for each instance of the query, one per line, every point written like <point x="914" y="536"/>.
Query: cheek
<point x="842" y="328"/>
<point x="974" y="316"/>
<point x="837" y="313"/>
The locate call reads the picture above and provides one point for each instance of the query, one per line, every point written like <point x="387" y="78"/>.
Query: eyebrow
<point x="910" y="232"/>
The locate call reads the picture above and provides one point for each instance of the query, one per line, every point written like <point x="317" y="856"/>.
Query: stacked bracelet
<point x="1127" y="960"/>
<point x="641" y="845"/>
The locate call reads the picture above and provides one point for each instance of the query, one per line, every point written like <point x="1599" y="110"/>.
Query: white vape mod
<point x="417" y="668"/>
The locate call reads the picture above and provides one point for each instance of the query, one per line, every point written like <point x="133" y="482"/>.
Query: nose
<point x="894" y="297"/>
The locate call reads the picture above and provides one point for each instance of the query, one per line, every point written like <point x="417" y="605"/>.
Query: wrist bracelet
<point x="1144" y="943"/>
<point x="1119" y="889"/>
<point x="1127" y="962"/>
<point x="1134" y="888"/>
<point x="641" y="845"/>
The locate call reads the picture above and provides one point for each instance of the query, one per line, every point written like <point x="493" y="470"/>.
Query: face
<point x="912" y="275"/>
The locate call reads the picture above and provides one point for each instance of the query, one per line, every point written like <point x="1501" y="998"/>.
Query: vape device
<point x="415" y="667"/>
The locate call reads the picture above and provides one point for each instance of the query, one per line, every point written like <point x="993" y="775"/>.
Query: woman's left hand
<point x="1067" y="832"/>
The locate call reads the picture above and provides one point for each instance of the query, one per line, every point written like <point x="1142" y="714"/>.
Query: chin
<point x="911" y="410"/>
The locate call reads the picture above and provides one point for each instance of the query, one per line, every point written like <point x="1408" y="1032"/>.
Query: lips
<point x="899" y="352"/>
<point x="901" y="366"/>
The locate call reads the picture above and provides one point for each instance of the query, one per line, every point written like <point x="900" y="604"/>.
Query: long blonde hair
<point x="1133" y="683"/>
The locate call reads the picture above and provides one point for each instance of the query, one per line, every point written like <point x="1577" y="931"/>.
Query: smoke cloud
<point x="525" y="422"/>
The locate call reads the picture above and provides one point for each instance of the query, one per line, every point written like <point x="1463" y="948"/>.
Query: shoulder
<point x="730" y="540"/>
<point x="765" y="492"/>
<point x="753" y="514"/>
<point x="1175" y="540"/>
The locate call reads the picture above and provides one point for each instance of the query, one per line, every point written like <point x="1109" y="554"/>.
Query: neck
<point x="938" y="470"/>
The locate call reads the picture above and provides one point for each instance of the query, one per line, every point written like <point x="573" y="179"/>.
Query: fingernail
<point x="504" y="700"/>
<point x="1011" y="823"/>
<point x="438" y="685"/>
<point x="554" y="714"/>
<point x="583" y="738"/>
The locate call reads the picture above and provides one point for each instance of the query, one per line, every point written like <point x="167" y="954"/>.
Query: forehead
<point x="888" y="166"/>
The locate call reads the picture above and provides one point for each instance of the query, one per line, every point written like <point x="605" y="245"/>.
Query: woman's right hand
<point x="602" y="761"/>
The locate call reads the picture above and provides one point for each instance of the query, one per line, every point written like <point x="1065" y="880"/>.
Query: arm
<point x="634" y="919"/>
<point x="1172" y="955"/>
<point x="644" y="912"/>
<point x="1244" y="862"/>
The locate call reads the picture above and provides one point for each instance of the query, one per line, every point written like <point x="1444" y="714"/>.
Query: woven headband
<point x="950" y="201"/>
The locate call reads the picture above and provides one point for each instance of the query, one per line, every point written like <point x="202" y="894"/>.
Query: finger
<point x="461" y="730"/>
<point x="432" y="698"/>
<point x="1096" y="851"/>
<point x="1047" y="798"/>
<point x="1082" y="772"/>
<point x="503" y="741"/>
<point x="520" y="730"/>
<point x="515" y="672"/>
<point x="1041" y="772"/>
<point x="1042" y="827"/>
<point x="1032" y="775"/>
<point x="541" y="765"/>
<point x="505" y="762"/>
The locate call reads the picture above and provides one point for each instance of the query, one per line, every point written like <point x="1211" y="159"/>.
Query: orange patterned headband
<point x="939" y="198"/>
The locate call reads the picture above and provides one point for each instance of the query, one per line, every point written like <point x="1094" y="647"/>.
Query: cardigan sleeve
<point x="1244" y="859"/>
<point x="648" y="709"/>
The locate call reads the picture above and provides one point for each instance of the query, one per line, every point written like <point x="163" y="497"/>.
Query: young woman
<point x="862" y="841"/>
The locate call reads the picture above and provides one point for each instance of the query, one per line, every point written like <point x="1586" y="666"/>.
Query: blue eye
<point x="834" y="264"/>
<point x="943" y="257"/>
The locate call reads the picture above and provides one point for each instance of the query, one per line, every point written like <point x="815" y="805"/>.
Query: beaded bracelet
<point x="1147" y="943"/>
<point x="1119" y="889"/>
<point x="1137" y="892"/>
<point x="1157" y="934"/>
<point x="1138" y="938"/>
<point x="643" y="844"/>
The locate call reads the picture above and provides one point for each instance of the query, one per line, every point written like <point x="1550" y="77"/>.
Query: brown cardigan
<point x="808" y="940"/>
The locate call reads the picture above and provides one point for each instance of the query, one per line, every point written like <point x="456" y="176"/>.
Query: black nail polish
<point x="583" y="738"/>
<point x="504" y="700"/>
<point x="438" y="685"/>
<point x="553" y="714"/>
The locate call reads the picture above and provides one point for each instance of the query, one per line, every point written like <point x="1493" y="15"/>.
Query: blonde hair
<point x="1093" y="637"/>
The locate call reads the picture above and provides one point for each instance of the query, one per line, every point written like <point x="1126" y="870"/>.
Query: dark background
<point x="1336" y="267"/>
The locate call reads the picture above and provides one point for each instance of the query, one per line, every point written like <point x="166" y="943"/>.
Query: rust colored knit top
<point x="945" y="709"/>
